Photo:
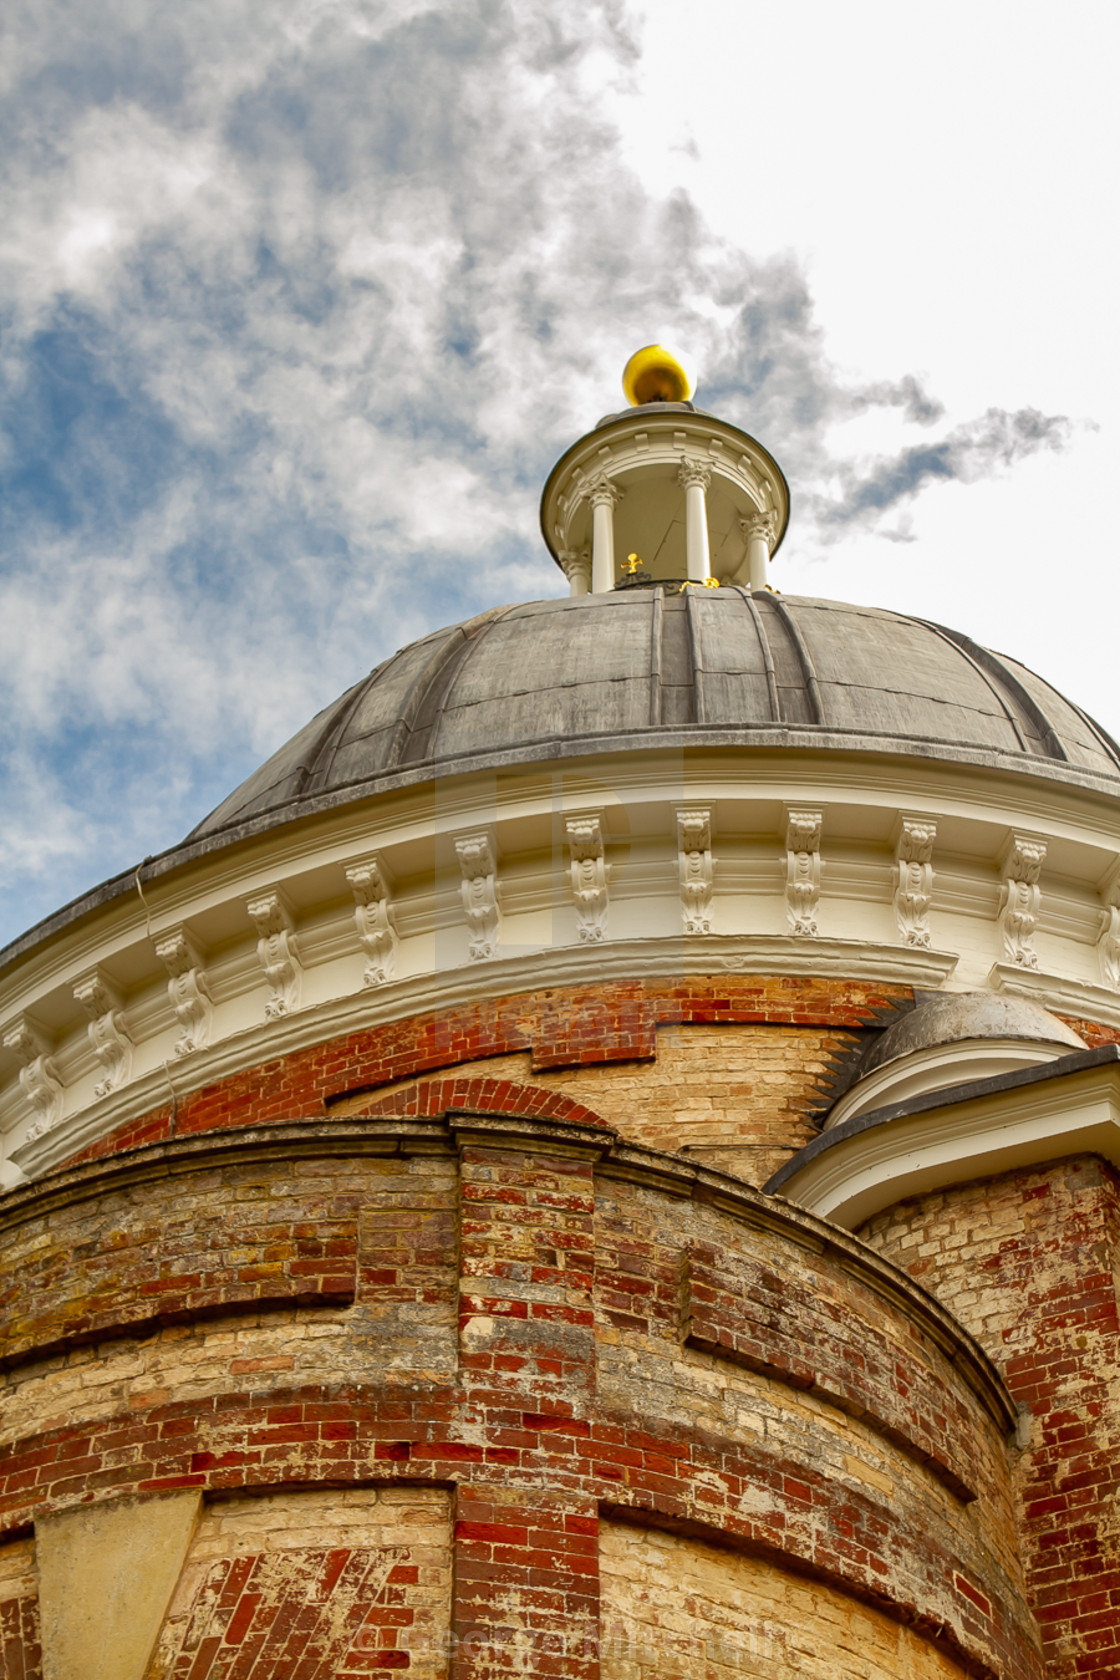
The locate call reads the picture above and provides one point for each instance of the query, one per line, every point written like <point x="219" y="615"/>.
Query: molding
<point x="913" y="879"/>
<point x="108" y="1034"/>
<point x="966" y="1132"/>
<point x="786" y="764"/>
<point x="694" y="864"/>
<point x="374" y="918"/>
<point x="481" y="897"/>
<point x="277" y="951"/>
<point x="534" y="971"/>
<point x="589" y="874"/>
<point x="187" y="989"/>
<point x="1021" y="897"/>
<point x="1079" y="998"/>
<point x="803" y="870"/>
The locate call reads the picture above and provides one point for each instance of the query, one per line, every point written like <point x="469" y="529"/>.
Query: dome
<point x="951" y="1038"/>
<point x="957" y="1017"/>
<point x="645" y="668"/>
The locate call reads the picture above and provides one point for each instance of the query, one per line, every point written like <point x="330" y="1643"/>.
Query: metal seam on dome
<point x="1111" y="747"/>
<point x="988" y="661"/>
<point x="699" y="709"/>
<point x="657" y="616"/>
<point x="804" y="657"/>
<point x="321" y="761"/>
<point x="944" y="635"/>
<point x="443" y="665"/>
<point x="767" y="654"/>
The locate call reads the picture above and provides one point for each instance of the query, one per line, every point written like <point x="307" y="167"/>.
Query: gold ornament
<point x="654" y="374"/>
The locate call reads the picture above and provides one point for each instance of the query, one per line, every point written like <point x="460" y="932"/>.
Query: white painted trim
<point x="1079" y="998"/>
<point x="937" y="1066"/>
<point x="626" y="959"/>
<point x="1073" y="1114"/>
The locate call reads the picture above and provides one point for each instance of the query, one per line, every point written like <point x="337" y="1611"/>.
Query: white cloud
<point x="301" y="302"/>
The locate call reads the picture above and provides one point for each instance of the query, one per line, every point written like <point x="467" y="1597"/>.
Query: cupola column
<point x="759" y="532"/>
<point x="577" y="570"/>
<point x="603" y="496"/>
<point x="696" y="479"/>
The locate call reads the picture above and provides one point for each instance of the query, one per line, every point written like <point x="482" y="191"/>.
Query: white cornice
<point x="1021" y="1125"/>
<point x="626" y="959"/>
<point x="1079" y="998"/>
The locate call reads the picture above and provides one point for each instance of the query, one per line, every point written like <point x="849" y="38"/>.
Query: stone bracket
<point x="481" y="895"/>
<point x="803" y="870"/>
<point x="277" y="951"/>
<point x="187" y="989"/>
<point x="108" y="1034"/>
<point x="374" y="918"/>
<point x="589" y="874"/>
<point x="913" y="879"/>
<point x="694" y="863"/>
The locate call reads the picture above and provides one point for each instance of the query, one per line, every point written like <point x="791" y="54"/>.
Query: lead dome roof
<point x="640" y="669"/>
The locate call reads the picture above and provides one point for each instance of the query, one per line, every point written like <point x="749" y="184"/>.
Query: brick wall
<point x="507" y="1251"/>
<point x="674" y="1608"/>
<point x="20" y="1657"/>
<point x="1028" y="1262"/>
<point x="339" y="1584"/>
<point x="732" y="1065"/>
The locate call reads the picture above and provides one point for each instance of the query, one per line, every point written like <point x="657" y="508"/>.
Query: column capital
<point x="692" y="472"/>
<point x="576" y="564"/>
<point x="760" y="527"/>
<point x="604" y="492"/>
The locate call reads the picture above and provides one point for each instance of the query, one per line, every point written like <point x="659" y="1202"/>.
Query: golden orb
<point x="654" y="374"/>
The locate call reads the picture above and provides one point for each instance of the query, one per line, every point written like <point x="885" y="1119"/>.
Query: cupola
<point x="663" y="493"/>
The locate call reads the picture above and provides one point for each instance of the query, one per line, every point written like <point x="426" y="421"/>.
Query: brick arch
<point x="431" y="1098"/>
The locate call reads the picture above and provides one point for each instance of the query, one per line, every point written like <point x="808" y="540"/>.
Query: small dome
<point x="953" y="1017"/>
<point x="644" y="668"/>
<point x="954" y="1038"/>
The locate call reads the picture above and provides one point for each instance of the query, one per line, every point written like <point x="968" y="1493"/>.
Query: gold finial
<point x="631" y="565"/>
<point x="653" y="374"/>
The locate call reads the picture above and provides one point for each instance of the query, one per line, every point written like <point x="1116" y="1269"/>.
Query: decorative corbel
<point x="803" y="870"/>
<point x="1108" y="946"/>
<point x="479" y="889"/>
<point x="694" y="862"/>
<point x="1021" y="898"/>
<point x="589" y="875"/>
<point x="108" y="1034"/>
<point x="277" y="951"/>
<point x="38" y="1075"/>
<point x="187" y="989"/>
<point x="913" y="879"/>
<point x="374" y="918"/>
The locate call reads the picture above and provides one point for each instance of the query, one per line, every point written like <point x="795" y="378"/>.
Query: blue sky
<point x="299" y="302"/>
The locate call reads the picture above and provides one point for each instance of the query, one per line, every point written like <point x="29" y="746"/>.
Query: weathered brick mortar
<point x="1028" y="1260"/>
<point x="523" y="1420"/>
<point x="572" y="1037"/>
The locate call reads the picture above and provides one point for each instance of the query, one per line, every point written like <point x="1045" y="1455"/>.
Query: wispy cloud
<point x="298" y="303"/>
<point x="965" y="453"/>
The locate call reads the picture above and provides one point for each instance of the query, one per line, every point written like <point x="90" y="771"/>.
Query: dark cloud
<point x="298" y="306"/>
<point x="964" y="454"/>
